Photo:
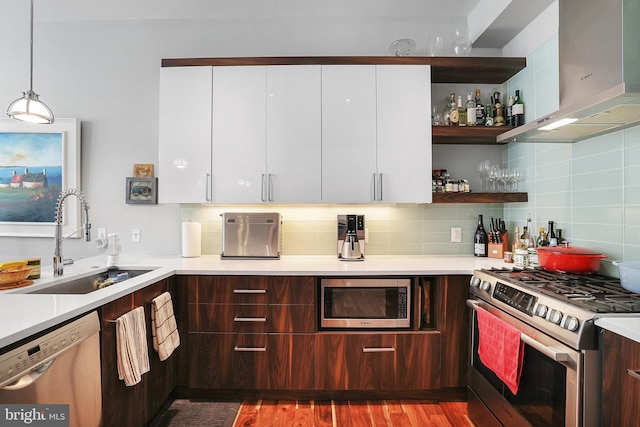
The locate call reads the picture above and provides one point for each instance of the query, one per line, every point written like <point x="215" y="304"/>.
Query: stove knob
<point x="475" y="281"/>
<point x="570" y="323"/>
<point x="541" y="310"/>
<point x="555" y="316"/>
<point x="485" y="286"/>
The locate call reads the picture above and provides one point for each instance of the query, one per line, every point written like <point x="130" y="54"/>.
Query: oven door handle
<point x="553" y="353"/>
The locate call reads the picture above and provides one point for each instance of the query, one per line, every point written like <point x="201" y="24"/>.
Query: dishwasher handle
<point x="28" y="379"/>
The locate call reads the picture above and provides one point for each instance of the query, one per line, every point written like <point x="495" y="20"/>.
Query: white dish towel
<point x="132" y="350"/>
<point x="163" y="326"/>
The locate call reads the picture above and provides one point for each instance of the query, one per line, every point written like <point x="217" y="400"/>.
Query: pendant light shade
<point x="29" y="108"/>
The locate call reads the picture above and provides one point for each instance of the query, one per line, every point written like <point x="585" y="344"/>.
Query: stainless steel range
<point x="561" y="369"/>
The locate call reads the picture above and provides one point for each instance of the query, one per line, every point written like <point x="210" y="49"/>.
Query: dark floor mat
<point x="197" y="412"/>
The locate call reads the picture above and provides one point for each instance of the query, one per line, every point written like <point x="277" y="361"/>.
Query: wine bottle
<point x="488" y="121"/>
<point x="454" y="118"/>
<point x="462" y="113"/>
<point x="480" y="240"/>
<point x="498" y="116"/>
<point x="517" y="241"/>
<point x="517" y="111"/>
<point x="542" y="238"/>
<point x="479" y="110"/>
<point x="509" y="116"/>
<point x="471" y="110"/>
<point x="551" y="235"/>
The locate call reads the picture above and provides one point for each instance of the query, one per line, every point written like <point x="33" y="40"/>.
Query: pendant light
<point x="29" y="108"/>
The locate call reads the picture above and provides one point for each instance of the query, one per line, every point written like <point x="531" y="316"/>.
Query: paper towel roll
<point x="191" y="238"/>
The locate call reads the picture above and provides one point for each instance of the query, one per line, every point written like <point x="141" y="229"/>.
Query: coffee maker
<point x="351" y="236"/>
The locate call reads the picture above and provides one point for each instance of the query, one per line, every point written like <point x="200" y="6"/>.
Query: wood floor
<point x="388" y="413"/>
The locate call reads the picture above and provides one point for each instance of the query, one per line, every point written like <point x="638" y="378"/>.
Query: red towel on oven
<point x="500" y="348"/>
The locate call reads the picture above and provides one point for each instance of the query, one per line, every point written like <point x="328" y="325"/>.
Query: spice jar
<point x="35" y="263"/>
<point x="520" y="257"/>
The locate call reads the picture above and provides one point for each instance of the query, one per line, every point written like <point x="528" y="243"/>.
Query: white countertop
<point x="628" y="327"/>
<point x="23" y="314"/>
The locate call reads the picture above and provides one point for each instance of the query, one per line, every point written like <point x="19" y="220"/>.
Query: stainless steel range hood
<point x="599" y="49"/>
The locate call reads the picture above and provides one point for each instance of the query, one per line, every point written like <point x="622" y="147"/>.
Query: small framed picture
<point x="142" y="190"/>
<point x="143" y="170"/>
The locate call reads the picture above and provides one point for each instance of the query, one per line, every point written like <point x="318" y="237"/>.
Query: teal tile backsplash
<point x="405" y="229"/>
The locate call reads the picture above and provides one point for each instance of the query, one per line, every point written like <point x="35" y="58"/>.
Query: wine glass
<point x="493" y="177"/>
<point x="483" y="171"/>
<point x="515" y="177"/>
<point x="436" y="45"/>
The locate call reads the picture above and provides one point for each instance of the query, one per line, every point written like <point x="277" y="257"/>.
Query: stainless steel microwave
<point x="365" y="303"/>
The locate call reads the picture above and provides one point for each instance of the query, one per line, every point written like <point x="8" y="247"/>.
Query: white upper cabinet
<point x="404" y="133"/>
<point x="239" y="144"/>
<point x="266" y="134"/>
<point x="293" y="134"/>
<point x="348" y="133"/>
<point x="376" y="133"/>
<point x="184" y="157"/>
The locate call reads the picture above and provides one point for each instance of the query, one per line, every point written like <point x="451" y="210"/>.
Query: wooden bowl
<point x="14" y="276"/>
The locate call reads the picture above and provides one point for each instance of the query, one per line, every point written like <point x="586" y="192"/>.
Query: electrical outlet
<point x="456" y="234"/>
<point x="135" y="235"/>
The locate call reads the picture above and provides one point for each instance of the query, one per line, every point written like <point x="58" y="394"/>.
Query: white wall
<point x="105" y="73"/>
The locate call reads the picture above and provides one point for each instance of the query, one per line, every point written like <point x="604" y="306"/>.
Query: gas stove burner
<point x="593" y="292"/>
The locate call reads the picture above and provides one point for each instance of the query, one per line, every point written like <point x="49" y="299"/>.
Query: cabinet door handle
<point x="248" y="349"/>
<point x="249" y="291"/>
<point x="269" y="188"/>
<point x="207" y="188"/>
<point x="377" y="349"/>
<point x="380" y="187"/>
<point x="374" y="187"/>
<point x="634" y="373"/>
<point x="249" y="319"/>
<point x="262" y="188"/>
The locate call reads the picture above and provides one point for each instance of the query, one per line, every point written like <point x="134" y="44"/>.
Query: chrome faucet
<point x="58" y="260"/>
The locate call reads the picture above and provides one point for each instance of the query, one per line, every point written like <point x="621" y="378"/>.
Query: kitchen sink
<point x="85" y="285"/>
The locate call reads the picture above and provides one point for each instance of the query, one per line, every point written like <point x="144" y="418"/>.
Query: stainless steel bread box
<point x="252" y="235"/>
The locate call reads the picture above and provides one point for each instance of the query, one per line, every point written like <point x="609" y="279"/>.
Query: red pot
<point x="569" y="259"/>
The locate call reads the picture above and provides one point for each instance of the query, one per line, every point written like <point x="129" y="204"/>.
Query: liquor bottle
<point x="517" y="112"/>
<point x="551" y="235"/>
<point x="454" y="116"/>
<point x="542" y="238"/>
<point x="462" y="113"/>
<point x="560" y="238"/>
<point x="471" y="110"/>
<point x="527" y="238"/>
<point x="480" y="240"/>
<point x="479" y="110"/>
<point x="509" y="117"/>
<point x="498" y="115"/>
<point x="488" y="112"/>
<point x="517" y="241"/>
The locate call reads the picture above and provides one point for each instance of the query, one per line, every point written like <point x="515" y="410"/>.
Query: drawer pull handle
<point x="377" y="349"/>
<point x="634" y="373"/>
<point x="249" y="291"/>
<point x="246" y="349"/>
<point x="249" y="319"/>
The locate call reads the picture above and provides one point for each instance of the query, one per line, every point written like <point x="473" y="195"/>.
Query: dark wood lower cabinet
<point x="258" y="337"/>
<point x="378" y="361"/>
<point x="621" y="381"/>
<point x="135" y="405"/>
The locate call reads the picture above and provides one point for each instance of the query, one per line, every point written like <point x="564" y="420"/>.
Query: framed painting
<point x="38" y="162"/>
<point x="142" y="190"/>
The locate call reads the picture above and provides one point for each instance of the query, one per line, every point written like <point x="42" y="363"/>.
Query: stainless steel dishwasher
<point x="60" y="366"/>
